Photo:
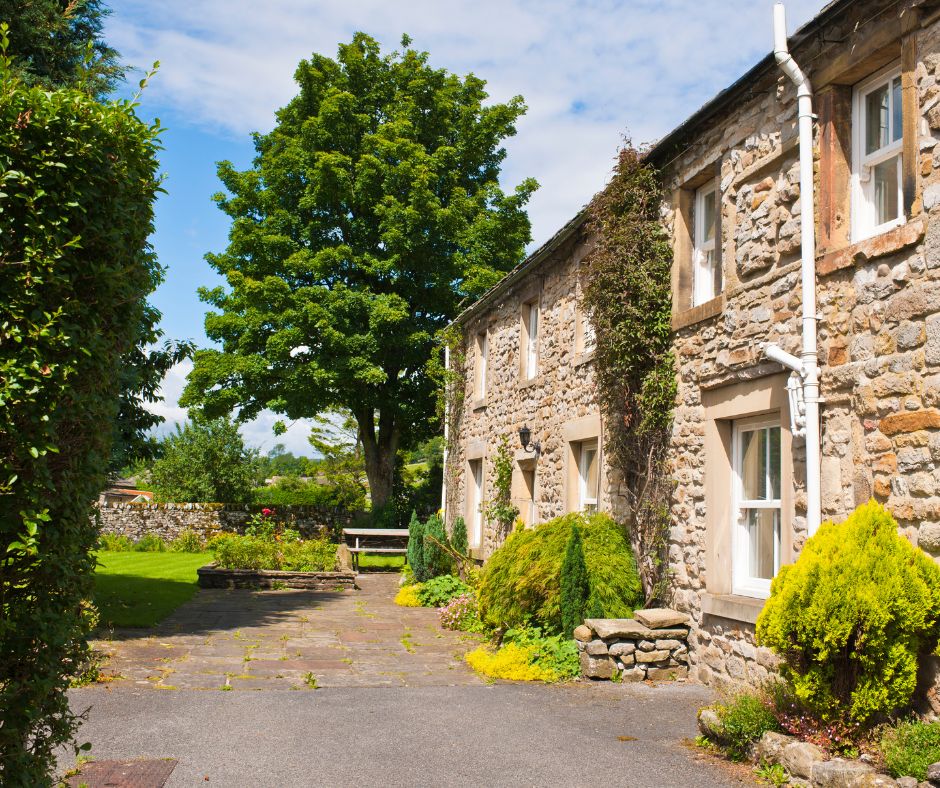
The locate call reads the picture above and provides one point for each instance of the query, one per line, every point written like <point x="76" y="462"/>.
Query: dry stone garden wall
<point x="169" y="520"/>
<point x="652" y="646"/>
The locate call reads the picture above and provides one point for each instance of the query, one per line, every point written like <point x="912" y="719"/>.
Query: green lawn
<point x="140" y="589"/>
<point x="381" y="562"/>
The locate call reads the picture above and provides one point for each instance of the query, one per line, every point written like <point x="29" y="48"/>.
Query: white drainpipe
<point x="446" y="419"/>
<point x="807" y="366"/>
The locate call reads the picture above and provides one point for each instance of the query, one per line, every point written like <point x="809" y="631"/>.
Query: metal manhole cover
<point x="124" y="774"/>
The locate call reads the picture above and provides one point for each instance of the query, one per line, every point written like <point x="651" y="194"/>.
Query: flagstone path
<point x="292" y="640"/>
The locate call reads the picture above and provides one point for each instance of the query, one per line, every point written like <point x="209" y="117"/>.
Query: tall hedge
<point x="522" y="581"/>
<point x="77" y="183"/>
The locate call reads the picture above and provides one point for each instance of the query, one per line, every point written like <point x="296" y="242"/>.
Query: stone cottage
<point x="527" y="358"/>
<point x="733" y="172"/>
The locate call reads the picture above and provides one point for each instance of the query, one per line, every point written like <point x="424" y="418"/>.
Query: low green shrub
<point x="851" y="617"/>
<point x="265" y="546"/>
<point x="416" y="548"/>
<point x="525" y="654"/>
<point x="458" y="536"/>
<point x="438" y="591"/>
<point x="462" y="613"/>
<point x="116" y="543"/>
<point x="150" y="543"/>
<point x="522" y="579"/>
<point x="744" y="719"/>
<point x="246" y="552"/>
<point x="437" y="561"/>
<point x="188" y="542"/>
<point x="555" y="653"/>
<point x="910" y="747"/>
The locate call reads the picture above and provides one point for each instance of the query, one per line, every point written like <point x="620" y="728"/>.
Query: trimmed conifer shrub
<point x="575" y="589"/>
<point x="522" y="579"/>
<point x="436" y="561"/>
<point x="852" y="616"/>
<point x="416" y="548"/>
<point x="458" y="536"/>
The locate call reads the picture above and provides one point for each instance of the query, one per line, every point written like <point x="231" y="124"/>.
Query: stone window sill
<point x="733" y="606"/>
<point x="476" y="553"/>
<point x="886" y="243"/>
<point x="524" y="384"/>
<point x="583" y="358"/>
<point x="478" y="404"/>
<point x="698" y="313"/>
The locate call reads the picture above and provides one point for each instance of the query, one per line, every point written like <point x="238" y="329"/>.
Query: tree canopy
<point x="371" y="215"/>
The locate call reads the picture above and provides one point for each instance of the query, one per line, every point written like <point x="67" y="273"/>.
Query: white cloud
<point x="588" y="70"/>
<point x="258" y="433"/>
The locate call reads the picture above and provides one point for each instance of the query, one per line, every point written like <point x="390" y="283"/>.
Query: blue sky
<point x="590" y="72"/>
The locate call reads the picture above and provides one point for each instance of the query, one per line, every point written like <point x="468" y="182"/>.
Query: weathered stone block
<point x="596" y="648"/>
<point x="838" y="773"/>
<point x="646" y="645"/>
<point x="613" y="628"/>
<point x="621" y="648"/>
<point x="597" y="667"/>
<point x="770" y="747"/>
<point x="667" y="673"/>
<point x="651" y="656"/>
<point x="660" y="617"/>
<point x="669" y="644"/>
<point x="799" y="758"/>
<point x="583" y="633"/>
<point x="910" y="422"/>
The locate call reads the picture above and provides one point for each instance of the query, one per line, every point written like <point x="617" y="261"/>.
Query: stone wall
<point x="651" y="646"/>
<point x="169" y="520"/>
<point x="879" y="333"/>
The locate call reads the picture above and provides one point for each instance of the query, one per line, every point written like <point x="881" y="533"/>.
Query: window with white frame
<point x="588" y="335"/>
<point x="475" y="503"/>
<point x="706" y="272"/>
<point x="878" y="129"/>
<point x="588" y="475"/>
<point x="481" y="351"/>
<point x="756" y="512"/>
<point x="530" y="349"/>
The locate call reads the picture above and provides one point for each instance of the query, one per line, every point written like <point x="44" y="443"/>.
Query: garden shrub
<point x="527" y="655"/>
<point x="416" y="548"/>
<point x="555" y="653"/>
<point x="117" y="543"/>
<point x="910" y="747"/>
<point x="188" y="542"/>
<point x="458" y="536"/>
<point x="522" y="579"/>
<point x="512" y="662"/>
<point x="407" y="596"/>
<point x="437" y="562"/>
<point x="150" y="543"/>
<point x="462" y="613"/>
<point x="744" y="719"/>
<point x="77" y="183"/>
<point x="264" y="546"/>
<point x="440" y="590"/>
<point x="574" y="584"/>
<point x="851" y="617"/>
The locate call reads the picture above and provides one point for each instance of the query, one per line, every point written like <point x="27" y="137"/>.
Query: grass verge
<point x="140" y="589"/>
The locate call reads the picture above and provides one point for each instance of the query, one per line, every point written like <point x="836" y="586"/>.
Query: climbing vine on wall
<point x="627" y="296"/>
<point x="500" y="509"/>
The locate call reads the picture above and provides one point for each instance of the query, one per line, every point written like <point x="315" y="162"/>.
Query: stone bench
<point x="650" y="646"/>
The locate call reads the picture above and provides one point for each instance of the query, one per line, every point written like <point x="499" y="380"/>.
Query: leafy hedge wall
<point x="77" y="184"/>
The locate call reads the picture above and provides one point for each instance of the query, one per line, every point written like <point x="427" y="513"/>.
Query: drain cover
<point x="124" y="774"/>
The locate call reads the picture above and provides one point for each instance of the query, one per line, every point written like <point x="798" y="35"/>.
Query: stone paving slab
<point x="267" y="640"/>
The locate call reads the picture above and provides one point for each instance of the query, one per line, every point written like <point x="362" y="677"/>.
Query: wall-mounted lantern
<point x="525" y="438"/>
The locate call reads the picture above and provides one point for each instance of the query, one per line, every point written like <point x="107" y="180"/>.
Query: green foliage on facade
<point x="77" y="185"/>
<point x="522" y="579"/>
<point x="628" y="299"/>
<point x="575" y="588"/>
<point x="205" y="462"/>
<point x="500" y="510"/>
<point x="371" y="215"/>
<point x="851" y="617"/>
<point x="416" y="548"/>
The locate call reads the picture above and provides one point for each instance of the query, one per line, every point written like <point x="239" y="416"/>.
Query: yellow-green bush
<point x="852" y="616"/>
<point x="522" y="579"/>
<point x="511" y="661"/>
<point x="407" y="596"/>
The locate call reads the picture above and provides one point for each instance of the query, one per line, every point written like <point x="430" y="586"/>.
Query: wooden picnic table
<point x="375" y="540"/>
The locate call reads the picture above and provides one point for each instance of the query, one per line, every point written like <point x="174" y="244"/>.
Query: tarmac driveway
<point x="394" y="704"/>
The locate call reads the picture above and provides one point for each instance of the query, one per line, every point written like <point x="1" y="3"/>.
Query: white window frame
<point x="588" y="334"/>
<point x="703" y="275"/>
<point x="863" y="182"/>
<point x="532" y="340"/>
<point x="741" y="580"/>
<point x="482" y="352"/>
<point x="475" y="488"/>
<point x="585" y="497"/>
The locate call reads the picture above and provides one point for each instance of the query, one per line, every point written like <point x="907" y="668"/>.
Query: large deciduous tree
<point x="371" y="214"/>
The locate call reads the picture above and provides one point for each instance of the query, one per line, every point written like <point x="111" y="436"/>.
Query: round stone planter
<point x="212" y="576"/>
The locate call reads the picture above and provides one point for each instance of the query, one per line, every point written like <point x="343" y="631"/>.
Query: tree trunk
<point x="379" y="448"/>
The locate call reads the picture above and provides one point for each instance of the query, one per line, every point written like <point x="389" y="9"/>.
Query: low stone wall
<point x="169" y="520"/>
<point x="212" y="576"/>
<point x="650" y="646"/>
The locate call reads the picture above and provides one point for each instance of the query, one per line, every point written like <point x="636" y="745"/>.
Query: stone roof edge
<point x="524" y="268"/>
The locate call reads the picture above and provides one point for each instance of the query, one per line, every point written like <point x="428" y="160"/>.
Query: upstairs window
<point x="706" y="271"/>
<point x="530" y="340"/>
<point x="877" y="141"/>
